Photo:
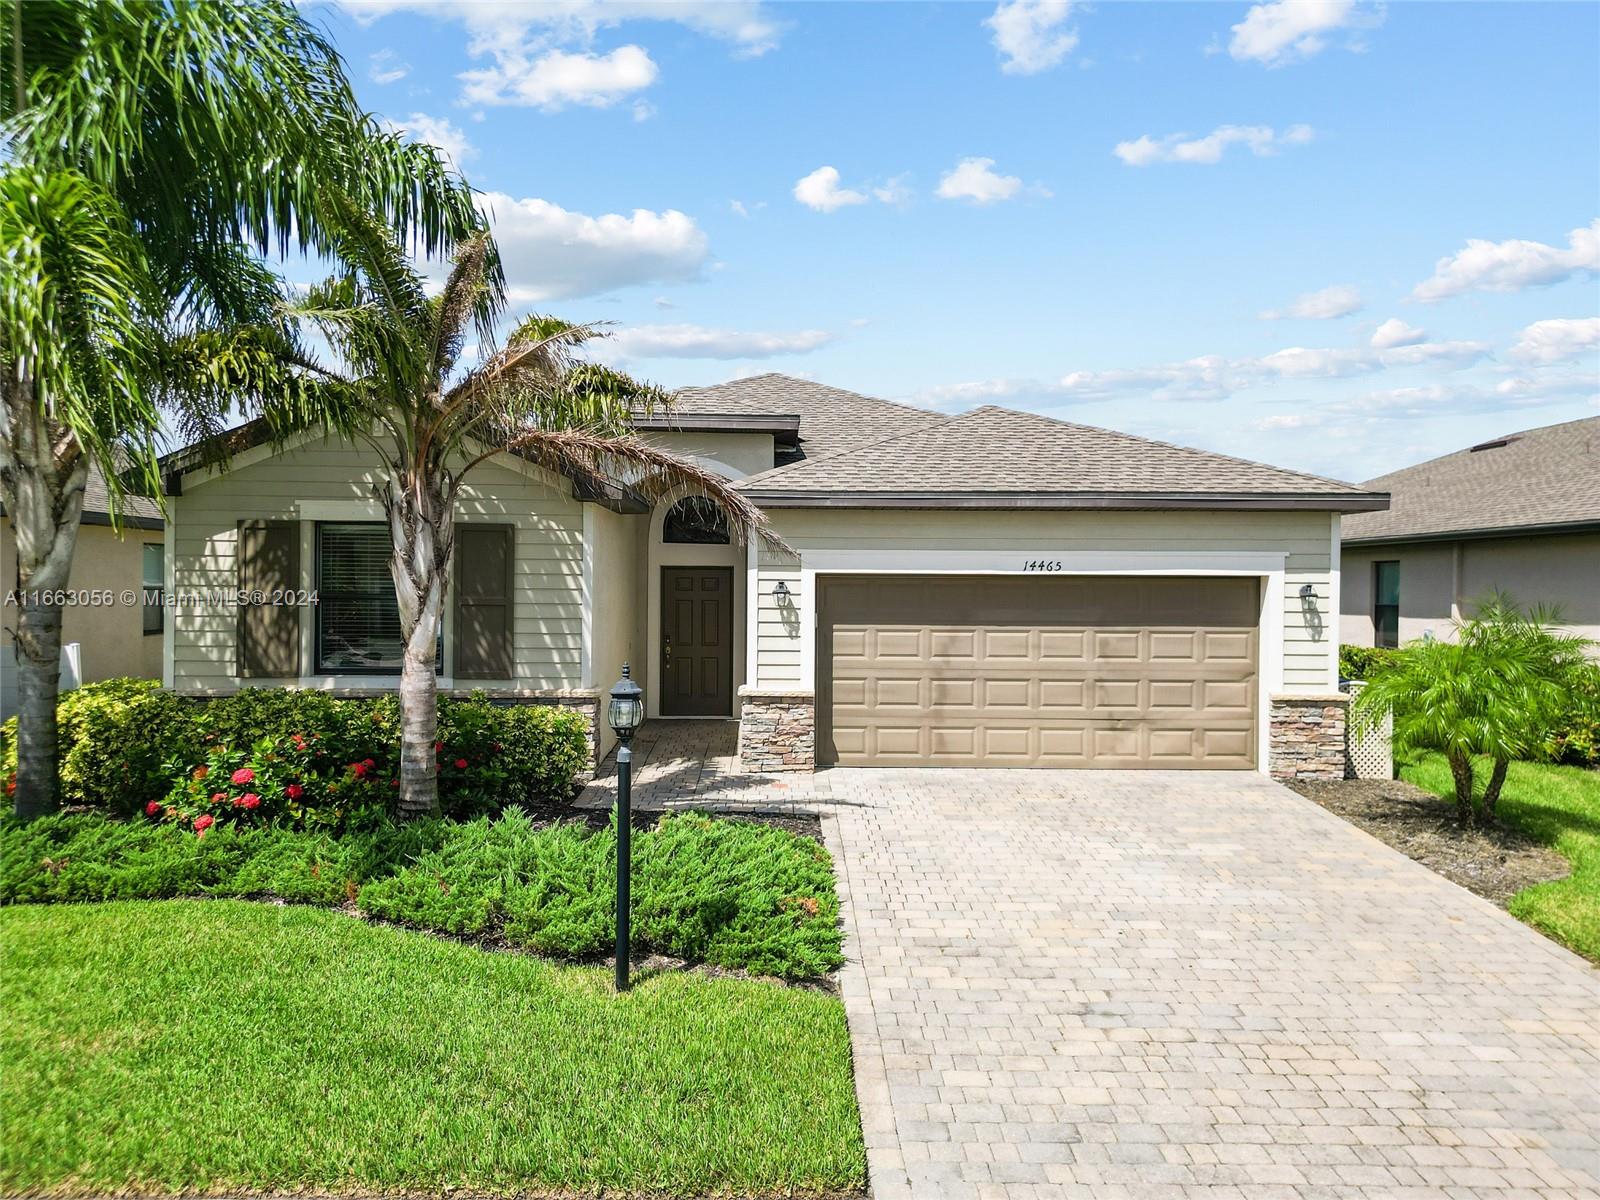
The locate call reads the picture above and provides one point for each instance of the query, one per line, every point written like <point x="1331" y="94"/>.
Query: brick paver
<point x="1180" y="984"/>
<point x="1174" y="984"/>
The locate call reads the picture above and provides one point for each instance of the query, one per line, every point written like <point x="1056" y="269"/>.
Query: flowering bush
<point x="290" y="779"/>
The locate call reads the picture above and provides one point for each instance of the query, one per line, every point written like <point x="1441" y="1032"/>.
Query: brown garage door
<point x="1054" y="671"/>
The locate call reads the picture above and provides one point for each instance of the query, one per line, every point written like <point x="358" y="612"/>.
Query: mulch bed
<point x="1494" y="862"/>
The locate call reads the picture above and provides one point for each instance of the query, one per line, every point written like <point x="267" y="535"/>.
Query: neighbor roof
<point x="136" y="512"/>
<point x="1539" y="480"/>
<point x="998" y="458"/>
<point x="832" y="420"/>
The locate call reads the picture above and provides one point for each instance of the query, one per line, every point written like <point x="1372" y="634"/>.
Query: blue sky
<point x="1335" y="236"/>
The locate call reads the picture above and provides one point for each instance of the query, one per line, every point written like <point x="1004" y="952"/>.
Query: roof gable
<point x="1544" y="477"/>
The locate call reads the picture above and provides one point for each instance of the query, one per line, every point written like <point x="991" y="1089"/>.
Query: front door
<point x="696" y="641"/>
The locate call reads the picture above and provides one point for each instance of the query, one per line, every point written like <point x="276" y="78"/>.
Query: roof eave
<point x="1477" y="534"/>
<point x="784" y="427"/>
<point x="1281" y="501"/>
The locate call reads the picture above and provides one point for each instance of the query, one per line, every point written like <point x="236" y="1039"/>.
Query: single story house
<point x="993" y="588"/>
<point x="1519" y="514"/>
<point x="118" y="638"/>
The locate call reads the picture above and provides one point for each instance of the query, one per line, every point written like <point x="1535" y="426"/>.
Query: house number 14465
<point x="1042" y="564"/>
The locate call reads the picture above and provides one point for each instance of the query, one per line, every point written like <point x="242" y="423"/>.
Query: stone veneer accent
<point x="1307" y="736"/>
<point x="777" y="730"/>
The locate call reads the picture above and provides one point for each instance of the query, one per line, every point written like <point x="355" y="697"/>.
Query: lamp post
<point x="625" y="714"/>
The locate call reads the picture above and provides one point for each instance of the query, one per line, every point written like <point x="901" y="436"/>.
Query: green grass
<point x="1559" y="806"/>
<point x="212" y="1046"/>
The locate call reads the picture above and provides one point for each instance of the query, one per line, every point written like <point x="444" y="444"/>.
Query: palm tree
<point x="397" y="389"/>
<point x="154" y="152"/>
<point x="1497" y="691"/>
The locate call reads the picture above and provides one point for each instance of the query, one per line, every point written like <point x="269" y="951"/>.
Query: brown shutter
<point x="485" y="555"/>
<point x="269" y="634"/>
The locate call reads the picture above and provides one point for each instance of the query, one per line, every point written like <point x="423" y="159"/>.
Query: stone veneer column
<point x="777" y="729"/>
<point x="1307" y="736"/>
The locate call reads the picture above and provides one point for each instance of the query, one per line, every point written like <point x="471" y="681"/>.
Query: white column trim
<point x="1335" y="606"/>
<point x="586" y="639"/>
<point x="169" y="581"/>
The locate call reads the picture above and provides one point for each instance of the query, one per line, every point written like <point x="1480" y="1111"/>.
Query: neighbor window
<point x="358" y="620"/>
<point x="155" y="586"/>
<point x="1386" y="604"/>
<point x="697" y="520"/>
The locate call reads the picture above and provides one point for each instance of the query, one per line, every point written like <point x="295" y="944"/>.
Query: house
<point x="126" y="566"/>
<point x="988" y="589"/>
<point x="1519" y="514"/>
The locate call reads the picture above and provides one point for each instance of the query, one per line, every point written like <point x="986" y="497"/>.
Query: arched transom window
<point x="696" y="520"/>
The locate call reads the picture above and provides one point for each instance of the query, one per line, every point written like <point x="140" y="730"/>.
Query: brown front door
<point x="696" y="641"/>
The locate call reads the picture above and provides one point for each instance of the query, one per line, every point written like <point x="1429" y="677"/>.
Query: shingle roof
<point x="140" y="512"/>
<point x="832" y="420"/>
<point x="1540" y="477"/>
<point x="998" y="450"/>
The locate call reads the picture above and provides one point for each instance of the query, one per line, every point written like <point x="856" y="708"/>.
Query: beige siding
<point x="1306" y="538"/>
<point x="1439" y="580"/>
<point x="549" y="568"/>
<point x="111" y="638"/>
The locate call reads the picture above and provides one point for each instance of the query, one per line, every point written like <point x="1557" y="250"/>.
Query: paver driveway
<point x="1169" y="984"/>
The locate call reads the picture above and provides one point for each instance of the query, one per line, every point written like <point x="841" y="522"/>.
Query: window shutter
<point x="268" y="557"/>
<point x="485" y="555"/>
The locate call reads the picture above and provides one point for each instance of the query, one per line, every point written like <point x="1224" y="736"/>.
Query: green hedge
<point x="732" y="893"/>
<point x="1360" y="662"/>
<point x="128" y="745"/>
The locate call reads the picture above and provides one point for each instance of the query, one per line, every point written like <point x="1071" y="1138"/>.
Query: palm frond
<point x="467" y="297"/>
<point x="650" y="471"/>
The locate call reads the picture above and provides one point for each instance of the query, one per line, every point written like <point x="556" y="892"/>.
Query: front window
<point x="154" y="581"/>
<point x="696" y="520"/>
<point x="1386" y="604"/>
<point x="358" y="619"/>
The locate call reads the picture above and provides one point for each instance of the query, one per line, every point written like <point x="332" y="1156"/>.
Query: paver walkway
<point x="1169" y="984"/>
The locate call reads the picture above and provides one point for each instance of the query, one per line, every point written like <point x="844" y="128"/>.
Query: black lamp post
<point x="625" y="714"/>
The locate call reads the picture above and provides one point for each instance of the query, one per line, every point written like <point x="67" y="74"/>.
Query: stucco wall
<point x="1308" y="647"/>
<point x="1560" y="569"/>
<point x="326" y="479"/>
<point x="112" y="641"/>
<point x="732" y="454"/>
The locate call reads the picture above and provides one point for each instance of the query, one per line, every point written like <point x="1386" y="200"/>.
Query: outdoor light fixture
<point x="781" y="591"/>
<point x="1307" y="591"/>
<point x="625" y="714"/>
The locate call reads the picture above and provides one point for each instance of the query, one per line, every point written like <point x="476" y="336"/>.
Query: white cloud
<point x="1340" y="300"/>
<point x="451" y="139"/>
<point x="1286" y="30"/>
<point x="976" y="181"/>
<point x="1029" y="34"/>
<point x="697" y="341"/>
<point x="1395" y="332"/>
<point x="820" y="190"/>
<point x="1510" y="266"/>
<point x="1262" y="140"/>
<point x="893" y="191"/>
<point x="551" y="253"/>
<point x="556" y="78"/>
<point x="385" y="67"/>
<point x="1557" y="340"/>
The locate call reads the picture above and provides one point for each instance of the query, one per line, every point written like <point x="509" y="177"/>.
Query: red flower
<point x="152" y="808"/>
<point x="249" y="801"/>
<point x="461" y="764"/>
<point x="299" y="742"/>
<point x="438" y="746"/>
<point x="294" y="791"/>
<point x="394" y="783"/>
<point x="368" y="763"/>
<point x="244" y="775"/>
<point x="201" y="772"/>
<point x="203" y="823"/>
<point x="359" y="769"/>
<point x="218" y="797"/>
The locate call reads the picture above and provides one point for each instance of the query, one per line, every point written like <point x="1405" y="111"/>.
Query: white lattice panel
<point x="1371" y="754"/>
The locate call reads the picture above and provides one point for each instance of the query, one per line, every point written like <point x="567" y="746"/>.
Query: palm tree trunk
<point x="421" y="529"/>
<point x="42" y="476"/>
<point x="1491" y="793"/>
<point x="1461" y="770"/>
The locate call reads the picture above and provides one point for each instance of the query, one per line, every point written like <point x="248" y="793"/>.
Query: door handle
<point x="667" y="650"/>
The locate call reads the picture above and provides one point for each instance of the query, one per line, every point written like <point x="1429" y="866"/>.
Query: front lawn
<point x="211" y="1046"/>
<point x="1559" y="806"/>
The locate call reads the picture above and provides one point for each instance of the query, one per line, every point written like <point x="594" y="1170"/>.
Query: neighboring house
<point x="114" y="639"/>
<point x="1518" y="514"/>
<point x="989" y="589"/>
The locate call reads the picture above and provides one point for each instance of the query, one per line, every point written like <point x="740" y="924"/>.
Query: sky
<point x="1335" y="236"/>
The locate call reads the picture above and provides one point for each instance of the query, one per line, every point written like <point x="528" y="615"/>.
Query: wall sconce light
<point x="781" y="591"/>
<point x="1307" y="591"/>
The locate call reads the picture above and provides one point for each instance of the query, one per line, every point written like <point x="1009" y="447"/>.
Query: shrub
<point x="1362" y="662"/>
<point x="1576" y="739"/>
<point x="731" y="893"/>
<point x="116" y="739"/>
<point x="128" y="744"/>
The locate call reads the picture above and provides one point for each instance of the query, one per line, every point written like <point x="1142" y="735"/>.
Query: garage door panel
<point x="1054" y="671"/>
